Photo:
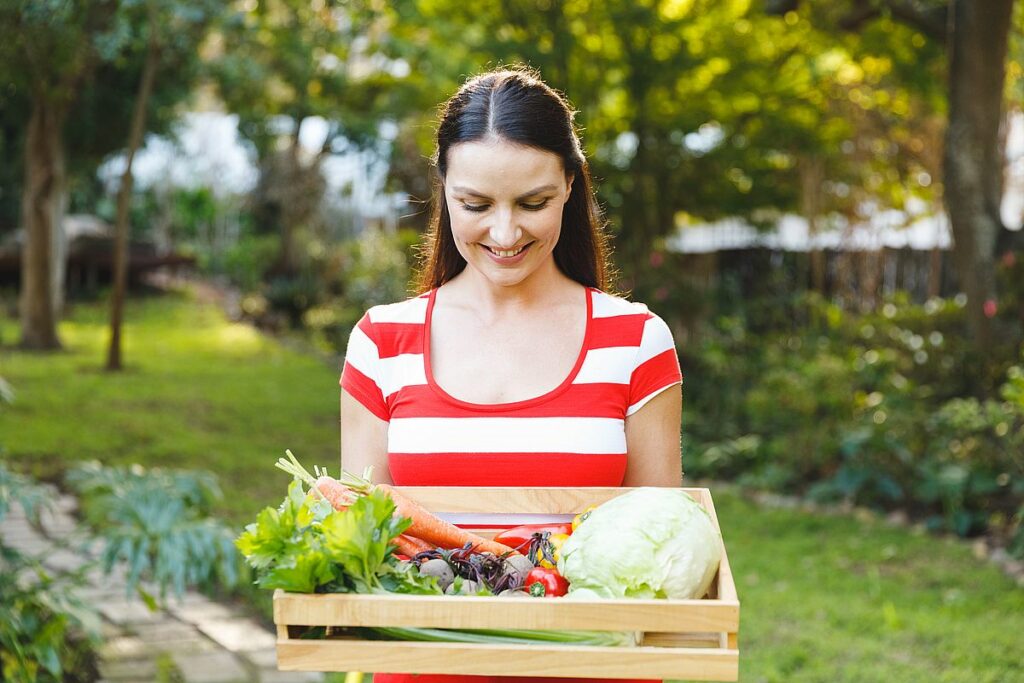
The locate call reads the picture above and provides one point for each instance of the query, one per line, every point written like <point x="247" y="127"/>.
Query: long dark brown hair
<point x="515" y="105"/>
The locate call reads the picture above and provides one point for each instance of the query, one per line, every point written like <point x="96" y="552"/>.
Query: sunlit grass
<point x="197" y="391"/>
<point x="823" y="598"/>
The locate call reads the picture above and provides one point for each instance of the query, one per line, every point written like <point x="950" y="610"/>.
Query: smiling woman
<point x="513" y="366"/>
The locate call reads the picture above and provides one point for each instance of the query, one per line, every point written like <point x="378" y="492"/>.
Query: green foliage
<point x="306" y="546"/>
<point x="870" y="408"/>
<point x="360" y="273"/>
<point x="699" y="109"/>
<point x="157" y="522"/>
<point x="46" y="630"/>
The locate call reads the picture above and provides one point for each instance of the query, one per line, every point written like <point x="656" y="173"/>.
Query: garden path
<point x="194" y="640"/>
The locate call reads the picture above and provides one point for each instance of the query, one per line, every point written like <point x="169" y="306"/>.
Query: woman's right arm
<point x="364" y="440"/>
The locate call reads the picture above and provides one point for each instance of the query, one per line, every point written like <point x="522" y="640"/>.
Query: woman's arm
<point x="364" y="440"/>
<point x="652" y="441"/>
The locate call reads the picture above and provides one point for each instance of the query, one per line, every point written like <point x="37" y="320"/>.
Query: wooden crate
<point x="683" y="639"/>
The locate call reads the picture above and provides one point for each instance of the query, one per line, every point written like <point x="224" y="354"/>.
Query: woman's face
<point x="505" y="202"/>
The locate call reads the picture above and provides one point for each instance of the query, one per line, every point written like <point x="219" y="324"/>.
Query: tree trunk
<point x="978" y="34"/>
<point x="41" y="197"/>
<point x="812" y="175"/>
<point x="124" y="196"/>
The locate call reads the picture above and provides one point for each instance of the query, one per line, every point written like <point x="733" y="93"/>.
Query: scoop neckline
<point x="525" y="403"/>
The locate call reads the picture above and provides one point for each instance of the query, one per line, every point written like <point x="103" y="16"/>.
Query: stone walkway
<point x="195" y="640"/>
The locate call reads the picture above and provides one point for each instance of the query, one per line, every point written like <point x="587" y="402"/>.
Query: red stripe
<point x="579" y="400"/>
<point x="394" y="339"/>
<point x="653" y="374"/>
<point x="620" y="330"/>
<point x="364" y="390"/>
<point x="506" y="469"/>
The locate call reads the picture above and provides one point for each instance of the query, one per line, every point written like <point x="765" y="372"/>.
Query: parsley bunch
<point x="306" y="546"/>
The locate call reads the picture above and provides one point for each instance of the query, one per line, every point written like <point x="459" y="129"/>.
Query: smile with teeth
<point x="506" y="253"/>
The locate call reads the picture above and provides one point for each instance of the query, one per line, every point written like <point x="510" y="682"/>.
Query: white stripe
<point x="408" y="311"/>
<point x="362" y="353"/>
<point x="506" y="435"/>
<point x="613" y="364"/>
<point x="656" y="339"/>
<point x="642" y="402"/>
<point x="400" y="371"/>
<point x="608" y="306"/>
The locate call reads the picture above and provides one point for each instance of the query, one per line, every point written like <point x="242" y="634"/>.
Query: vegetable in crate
<point x="424" y="525"/>
<point x="306" y="546"/>
<point x="648" y="543"/>
<point x="543" y="582"/>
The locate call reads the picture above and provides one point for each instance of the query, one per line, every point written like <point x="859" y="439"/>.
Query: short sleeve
<point x="656" y="367"/>
<point x="360" y="375"/>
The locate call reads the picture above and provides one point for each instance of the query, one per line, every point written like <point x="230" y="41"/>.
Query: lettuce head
<point x="648" y="543"/>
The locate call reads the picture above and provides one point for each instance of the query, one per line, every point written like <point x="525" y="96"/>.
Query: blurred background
<point x="824" y="200"/>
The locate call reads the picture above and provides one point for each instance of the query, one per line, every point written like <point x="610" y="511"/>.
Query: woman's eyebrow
<point x="536" y="190"/>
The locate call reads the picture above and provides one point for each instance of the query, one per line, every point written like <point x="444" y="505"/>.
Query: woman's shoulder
<point x="611" y="305"/>
<point x="412" y="311"/>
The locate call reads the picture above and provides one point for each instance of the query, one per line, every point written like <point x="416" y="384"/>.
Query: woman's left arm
<point x="653" y="441"/>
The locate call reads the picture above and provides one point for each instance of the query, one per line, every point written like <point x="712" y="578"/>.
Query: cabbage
<point x="648" y="543"/>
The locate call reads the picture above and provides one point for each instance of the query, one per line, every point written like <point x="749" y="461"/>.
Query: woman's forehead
<point x="501" y="166"/>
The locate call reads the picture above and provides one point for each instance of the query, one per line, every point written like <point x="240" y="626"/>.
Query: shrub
<point x="876" y="409"/>
<point x="47" y="631"/>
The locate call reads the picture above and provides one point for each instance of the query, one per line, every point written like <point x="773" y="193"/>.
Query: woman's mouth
<point x="507" y="256"/>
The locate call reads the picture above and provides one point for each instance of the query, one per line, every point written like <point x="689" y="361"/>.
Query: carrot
<point x="425" y="524"/>
<point x="433" y="529"/>
<point x="335" y="492"/>
<point x="410" y="545"/>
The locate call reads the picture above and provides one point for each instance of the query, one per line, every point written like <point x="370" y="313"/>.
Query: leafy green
<point x="306" y="546"/>
<point x="360" y="541"/>
<point x="648" y="543"/>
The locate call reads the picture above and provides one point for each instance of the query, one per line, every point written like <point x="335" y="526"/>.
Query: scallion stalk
<point x="512" y="636"/>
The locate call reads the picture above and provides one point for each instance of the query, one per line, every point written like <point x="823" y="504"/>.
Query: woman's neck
<point x="543" y="289"/>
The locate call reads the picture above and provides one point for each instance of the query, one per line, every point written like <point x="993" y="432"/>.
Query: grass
<point x="823" y="598"/>
<point x="198" y="392"/>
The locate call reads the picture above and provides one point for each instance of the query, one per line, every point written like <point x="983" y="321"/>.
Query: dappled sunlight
<point x="238" y="339"/>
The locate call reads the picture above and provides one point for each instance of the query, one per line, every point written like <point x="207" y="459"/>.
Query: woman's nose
<point x="505" y="231"/>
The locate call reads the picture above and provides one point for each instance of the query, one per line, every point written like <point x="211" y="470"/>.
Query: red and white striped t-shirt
<point x="573" y="435"/>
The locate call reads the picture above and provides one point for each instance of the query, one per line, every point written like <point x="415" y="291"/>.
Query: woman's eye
<point x="536" y="207"/>
<point x="474" y="207"/>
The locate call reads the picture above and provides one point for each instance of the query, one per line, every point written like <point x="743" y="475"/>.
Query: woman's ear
<point x="569" y="177"/>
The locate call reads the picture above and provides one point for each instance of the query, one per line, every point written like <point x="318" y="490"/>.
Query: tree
<point x="975" y="36"/>
<point x="169" y="33"/>
<point x="283" y="63"/>
<point x="50" y="51"/>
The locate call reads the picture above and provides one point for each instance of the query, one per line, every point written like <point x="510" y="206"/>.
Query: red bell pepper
<point x="520" y="537"/>
<point x="544" y="582"/>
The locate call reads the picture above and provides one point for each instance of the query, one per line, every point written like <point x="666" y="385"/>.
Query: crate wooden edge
<point x="449" y="611"/>
<point x="708" y="664"/>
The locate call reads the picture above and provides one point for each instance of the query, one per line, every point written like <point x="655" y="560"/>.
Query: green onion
<point x="512" y="637"/>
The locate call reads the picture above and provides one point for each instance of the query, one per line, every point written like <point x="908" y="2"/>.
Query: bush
<point x="47" y="632"/>
<point x="873" y="409"/>
<point x="157" y="523"/>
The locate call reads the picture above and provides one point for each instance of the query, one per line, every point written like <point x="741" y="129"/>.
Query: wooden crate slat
<point x="497" y="660"/>
<point x="435" y="611"/>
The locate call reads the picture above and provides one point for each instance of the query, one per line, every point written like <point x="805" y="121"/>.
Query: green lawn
<point x="823" y="598"/>
<point x="198" y="392"/>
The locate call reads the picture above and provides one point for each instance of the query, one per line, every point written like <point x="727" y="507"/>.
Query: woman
<point x="512" y="367"/>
